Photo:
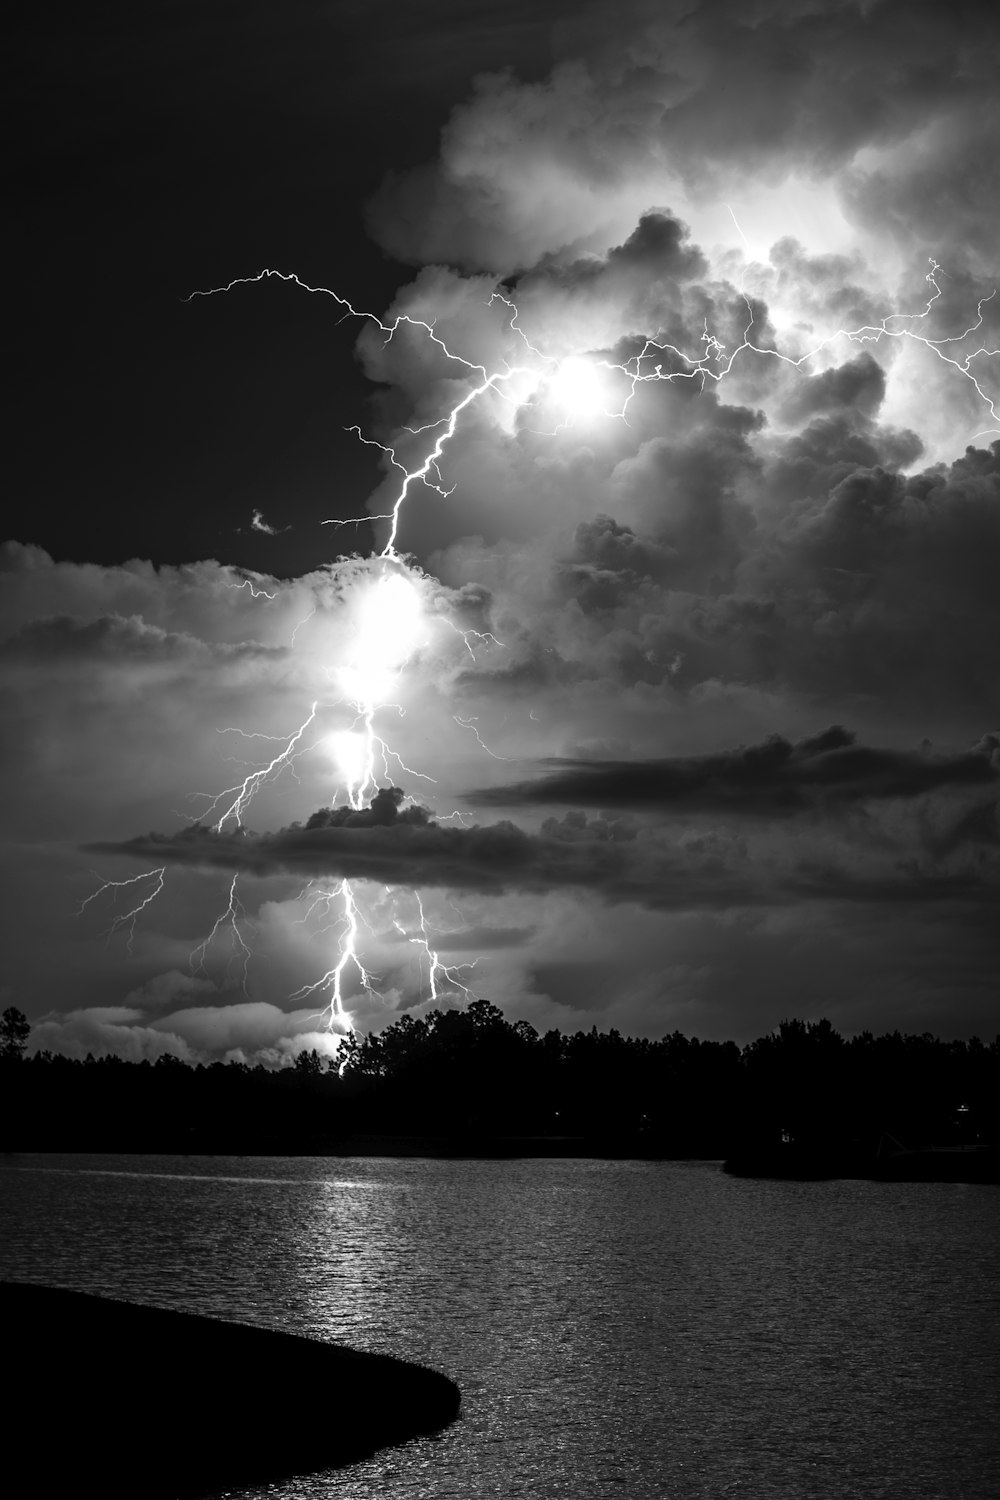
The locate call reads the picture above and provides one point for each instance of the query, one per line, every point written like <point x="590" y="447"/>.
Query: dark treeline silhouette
<point x="471" y="1081"/>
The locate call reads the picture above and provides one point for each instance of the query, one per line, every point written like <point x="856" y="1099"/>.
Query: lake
<point x="644" y="1330"/>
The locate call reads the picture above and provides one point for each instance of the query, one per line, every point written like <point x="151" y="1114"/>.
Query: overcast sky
<point x="698" y="716"/>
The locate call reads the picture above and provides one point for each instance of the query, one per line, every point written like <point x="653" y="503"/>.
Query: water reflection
<point x="643" y="1329"/>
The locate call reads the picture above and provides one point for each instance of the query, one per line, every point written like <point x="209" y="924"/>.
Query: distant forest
<point x="471" y="1082"/>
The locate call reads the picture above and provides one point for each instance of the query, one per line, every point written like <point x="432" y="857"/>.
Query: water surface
<point x="648" y="1330"/>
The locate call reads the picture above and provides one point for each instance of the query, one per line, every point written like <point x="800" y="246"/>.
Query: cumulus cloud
<point x="250" y="1026"/>
<point x="715" y="102"/>
<point x="815" y="573"/>
<point x="106" y="1031"/>
<point x="239" y="1032"/>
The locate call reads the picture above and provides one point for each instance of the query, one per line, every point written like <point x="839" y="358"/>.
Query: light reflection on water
<point x="649" y="1330"/>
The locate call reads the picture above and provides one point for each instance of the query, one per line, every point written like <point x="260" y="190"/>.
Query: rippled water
<point x="644" y="1330"/>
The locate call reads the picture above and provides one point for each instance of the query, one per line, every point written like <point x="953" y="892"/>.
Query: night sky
<point x="698" y="719"/>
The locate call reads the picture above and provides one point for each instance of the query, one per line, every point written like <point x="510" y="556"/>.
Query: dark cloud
<point x="604" y="546"/>
<point x="815" y="571"/>
<point x="831" y="446"/>
<point x="402" y="846"/>
<point x="857" y="386"/>
<point x="385" y="810"/>
<point x="575" y="984"/>
<point x="657" y="255"/>
<point x="658" y="247"/>
<point x="774" y="778"/>
<point x="483" y="939"/>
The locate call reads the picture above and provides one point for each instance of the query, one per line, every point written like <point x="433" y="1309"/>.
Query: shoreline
<point x="970" y="1165"/>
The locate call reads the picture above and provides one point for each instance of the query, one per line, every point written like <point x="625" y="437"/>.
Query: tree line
<point x="472" y="1080"/>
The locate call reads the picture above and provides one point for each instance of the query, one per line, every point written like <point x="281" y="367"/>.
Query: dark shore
<point x="108" y="1398"/>
<point x="459" y="1146"/>
<point x="966" y="1164"/>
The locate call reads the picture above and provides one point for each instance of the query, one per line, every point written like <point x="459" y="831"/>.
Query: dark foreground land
<point x="107" y="1398"/>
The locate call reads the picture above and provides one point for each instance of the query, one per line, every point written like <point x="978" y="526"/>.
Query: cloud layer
<point x="770" y="780"/>
<point x="925" y="827"/>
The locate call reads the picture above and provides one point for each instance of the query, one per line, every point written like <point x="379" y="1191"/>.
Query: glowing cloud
<point x="390" y="625"/>
<point x="579" y="389"/>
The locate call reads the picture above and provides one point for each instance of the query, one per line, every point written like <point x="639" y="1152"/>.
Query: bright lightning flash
<point x="579" y="389"/>
<point x="390" y="626"/>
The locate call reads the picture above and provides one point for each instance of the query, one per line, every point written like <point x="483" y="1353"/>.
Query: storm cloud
<point x="768" y="231"/>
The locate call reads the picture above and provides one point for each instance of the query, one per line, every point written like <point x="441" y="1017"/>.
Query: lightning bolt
<point x="255" y="593"/>
<point x="438" y="973"/>
<point x="471" y="724"/>
<point x="229" y="918"/>
<point x="244" y="792"/>
<point x="332" y="982"/>
<point x="485" y="636"/>
<point x="369" y="668"/>
<point x="127" y="919"/>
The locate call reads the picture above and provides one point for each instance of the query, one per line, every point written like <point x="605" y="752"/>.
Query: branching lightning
<point x="127" y="919"/>
<point x="332" y="982"/>
<point x="436" y="970"/>
<point x="447" y="424"/>
<point x="701" y="366"/>
<point x="574" y="381"/>
<point x="243" y="794"/>
<point x="485" y="636"/>
<point x="229" y="918"/>
<point x="390" y="622"/>
<point x="472" y="725"/>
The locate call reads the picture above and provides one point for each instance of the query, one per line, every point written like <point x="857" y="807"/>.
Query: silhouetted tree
<point x="15" y="1030"/>
<point x="310" y="1063"/>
